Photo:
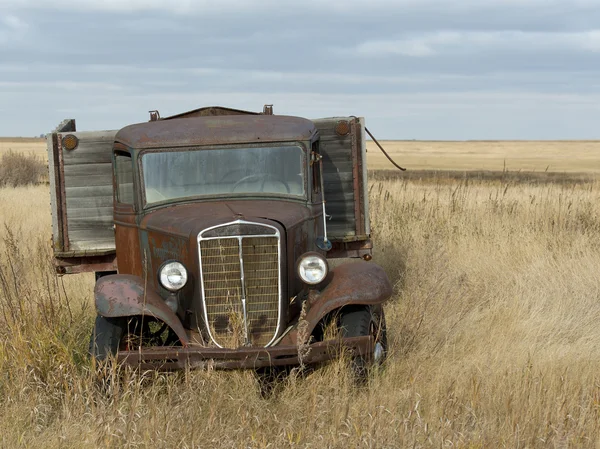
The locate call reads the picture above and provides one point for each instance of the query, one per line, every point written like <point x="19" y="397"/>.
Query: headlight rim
<point x="312" y="254"/>
<point x="162" y="267"/>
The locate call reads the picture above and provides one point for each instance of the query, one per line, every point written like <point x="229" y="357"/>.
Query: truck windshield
<point x="180" y="174"/>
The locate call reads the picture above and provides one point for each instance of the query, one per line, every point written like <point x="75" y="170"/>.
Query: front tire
<point x="361" y="321"/>
<point x="106" y="337"/>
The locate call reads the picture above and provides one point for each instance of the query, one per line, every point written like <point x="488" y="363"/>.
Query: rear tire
<point x="106" y="337"/>
<point x="361" y="321"/>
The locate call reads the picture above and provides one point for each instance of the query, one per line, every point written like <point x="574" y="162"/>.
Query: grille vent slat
<point x="222" y="286"/>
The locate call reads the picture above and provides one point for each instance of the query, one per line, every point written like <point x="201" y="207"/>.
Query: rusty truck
<point x="211" y="234"/>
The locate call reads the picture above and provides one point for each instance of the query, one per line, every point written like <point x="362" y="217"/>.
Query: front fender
<point x="351" y="283"/>
<point x="121" y="295"/>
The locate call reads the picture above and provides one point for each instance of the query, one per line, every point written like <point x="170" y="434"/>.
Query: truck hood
<point x="189" y="219"/>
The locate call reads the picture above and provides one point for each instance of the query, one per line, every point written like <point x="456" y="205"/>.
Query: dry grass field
<point x="570" y="157"/>
<point x="23" y="144"/>
<point x="536" y="156"/>
<point x="493" y="329"/>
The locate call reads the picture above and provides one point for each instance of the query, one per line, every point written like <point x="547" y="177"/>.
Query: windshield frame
<point x="238" y="195"/>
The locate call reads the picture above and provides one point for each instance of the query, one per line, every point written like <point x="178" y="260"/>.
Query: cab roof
<point x="220" y="130"/>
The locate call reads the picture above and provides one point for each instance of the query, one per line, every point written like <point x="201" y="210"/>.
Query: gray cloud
<point x="465" y="42"/>
<point x="416" y="69"/>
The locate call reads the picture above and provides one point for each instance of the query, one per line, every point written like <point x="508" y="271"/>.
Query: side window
<point x="124" y="175"/>
<point x="316" y="172"/>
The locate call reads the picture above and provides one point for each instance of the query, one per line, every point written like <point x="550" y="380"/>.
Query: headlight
<point x="312" y="268"/>
<point x="173" y="276"/>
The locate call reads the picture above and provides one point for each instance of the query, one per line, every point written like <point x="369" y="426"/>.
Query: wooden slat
<point x="90" y="170"/>
<point x="334" y="186"/>
<point x="341" y="227"/>
<point x="337" y="158"/>
<point x="95" y="202"/>
<point x="339" y="206"/>
<point x="89" y="180"/>
<point x="106" y="243"/>
<point x="340" y="223"/>
<point x="336" y="145"/>
<point x="340" y="197"/>
<point x="104" y="212"/>
<point x="90" y="223"/>
<point x="337" y="163"/>
<point x="103" y="236"/>
<point x="338" y="176"/>
<point x="89" y="191"/>
<point x="87" y="157"/>
<point x="341" y="217"/>
<point x="337" y="231"/>
<point x="90" y="148"/>
<point x="85" y="253"/>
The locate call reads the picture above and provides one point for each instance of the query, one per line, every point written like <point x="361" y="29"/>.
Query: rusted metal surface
<point x="357" y="178"/>
<point x="173" y="358"/>
<point x="210" y="111"/>
<point x="358" y="162"/>
<point x="130" y="258"/>
<point x="351" y="283"/>
<point x="196" y="131"/>
<point x="172" y="233"/>
<point x="60" y="231"/>
<point x="62" y="198"/>
<point x="58" y="206"/>
<point x="85" y="264"/>
<point x="121" y="295"/>
<point x="359" y="248"/>
<point x="191" y="218"/>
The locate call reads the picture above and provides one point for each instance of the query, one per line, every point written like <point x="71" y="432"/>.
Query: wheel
<point x="111" y="334"/>
<point x="106" y="337"/>
<point x="360" y="321"/>
<point x="270" y="379"/>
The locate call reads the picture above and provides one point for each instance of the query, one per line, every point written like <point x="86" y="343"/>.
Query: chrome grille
<point x="240" y="286"/>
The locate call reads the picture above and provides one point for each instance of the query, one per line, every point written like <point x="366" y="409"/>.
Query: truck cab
<point x="217" y="246"/>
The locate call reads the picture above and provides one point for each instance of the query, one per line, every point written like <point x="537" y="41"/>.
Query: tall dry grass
<point x="493" y="333"/>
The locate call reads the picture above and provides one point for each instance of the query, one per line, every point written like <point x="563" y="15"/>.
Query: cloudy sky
<point x="416" y="69"/>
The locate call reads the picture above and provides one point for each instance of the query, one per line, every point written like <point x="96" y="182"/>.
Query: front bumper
<point x="174" y="358"/>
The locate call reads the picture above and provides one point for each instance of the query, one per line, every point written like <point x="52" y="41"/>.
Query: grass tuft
<point x="21" y="169"/>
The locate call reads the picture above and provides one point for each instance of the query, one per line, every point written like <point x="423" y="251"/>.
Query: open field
<point x="536" y="156"/>
<point x="493" y="331"/>
<point x="36" y="146"/>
